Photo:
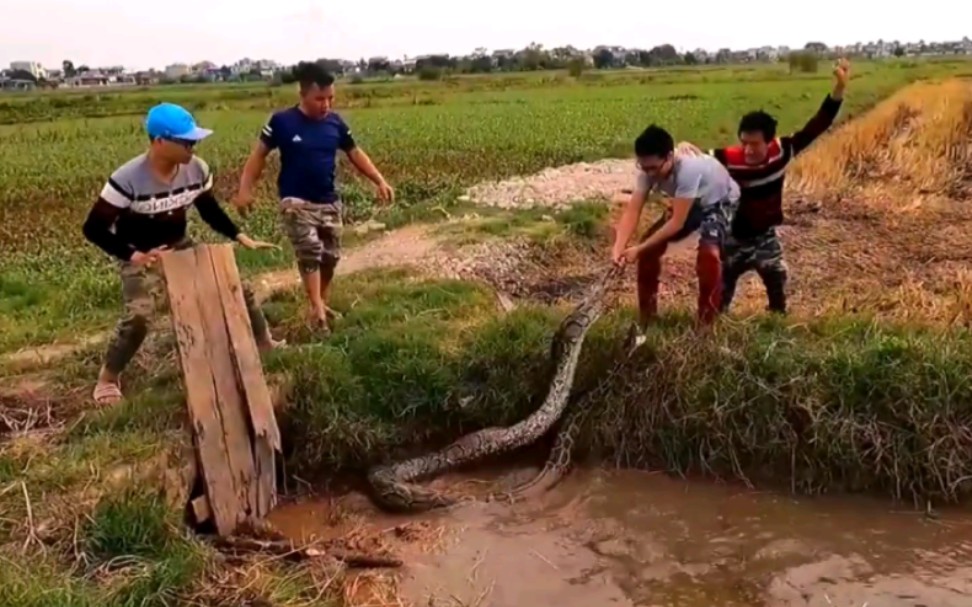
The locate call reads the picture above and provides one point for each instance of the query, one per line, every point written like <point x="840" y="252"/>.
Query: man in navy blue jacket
<point x="309" y="136"/>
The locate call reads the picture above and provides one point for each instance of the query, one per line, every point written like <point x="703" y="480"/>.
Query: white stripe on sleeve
<point x="114" y="196"/>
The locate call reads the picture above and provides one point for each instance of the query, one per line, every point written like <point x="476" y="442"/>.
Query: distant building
<point x="33" y="68"/>
<point x="177" y="70"/>
<point x="96" y="78"/>
<point x="15" y="84"/>
<point x="86" y="79"/>
<point x="243" y="66"/>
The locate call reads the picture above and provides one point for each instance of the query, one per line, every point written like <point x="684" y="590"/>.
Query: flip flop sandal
<point x="107" y="394"/>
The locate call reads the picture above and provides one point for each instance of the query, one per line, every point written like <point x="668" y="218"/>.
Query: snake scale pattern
<point x="559" y="461"/>
<point x="394" y="486"/>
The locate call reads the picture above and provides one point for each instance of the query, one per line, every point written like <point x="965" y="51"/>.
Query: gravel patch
<point x="557" y="187"/>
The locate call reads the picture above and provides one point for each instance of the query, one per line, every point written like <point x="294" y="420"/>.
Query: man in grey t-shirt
<point x="701" y="196"/>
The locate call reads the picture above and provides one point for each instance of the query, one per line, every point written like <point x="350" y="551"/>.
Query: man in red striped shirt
<point x="758" y="164"/>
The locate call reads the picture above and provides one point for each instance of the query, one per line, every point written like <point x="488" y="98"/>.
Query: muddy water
<point x="631" y="538"/>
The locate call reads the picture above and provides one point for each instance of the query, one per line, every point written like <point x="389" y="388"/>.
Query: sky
<point x="142" y="34"/>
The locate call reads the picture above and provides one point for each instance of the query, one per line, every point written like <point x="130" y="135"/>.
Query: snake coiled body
<point x="393" y="486"/>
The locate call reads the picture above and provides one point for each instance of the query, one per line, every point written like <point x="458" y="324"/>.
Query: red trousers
<point x="708" y="269"/>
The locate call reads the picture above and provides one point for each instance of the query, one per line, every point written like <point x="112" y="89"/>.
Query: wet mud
<point x="631" y="538"/>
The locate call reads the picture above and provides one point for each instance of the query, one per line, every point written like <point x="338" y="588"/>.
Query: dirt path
<point x="405" y="246"/>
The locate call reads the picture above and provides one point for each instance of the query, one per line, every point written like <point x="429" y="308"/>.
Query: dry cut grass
<point x="918" y="142"/>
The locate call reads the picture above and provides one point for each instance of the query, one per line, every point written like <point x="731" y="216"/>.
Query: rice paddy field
<point x="866" y="388"/>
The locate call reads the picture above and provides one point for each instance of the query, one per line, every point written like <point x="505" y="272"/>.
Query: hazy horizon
<point x="101" y="33"/>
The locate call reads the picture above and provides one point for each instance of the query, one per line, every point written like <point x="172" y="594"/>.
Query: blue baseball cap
<point x="171" y="121"/>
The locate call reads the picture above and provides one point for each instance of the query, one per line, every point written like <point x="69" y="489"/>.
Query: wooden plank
<point x="200" y="509"/>
<point x="179" y="268"/>
<point x="245" y="350"/>
<point x="229" y="399"/>
<point x="252" y="381"/>
<point x="266" y="470"/>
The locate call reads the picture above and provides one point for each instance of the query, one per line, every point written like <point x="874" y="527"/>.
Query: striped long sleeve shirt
<point x="761" y="185"/>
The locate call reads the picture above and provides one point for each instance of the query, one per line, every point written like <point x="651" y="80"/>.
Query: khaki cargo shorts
<point x="314" y="231"/>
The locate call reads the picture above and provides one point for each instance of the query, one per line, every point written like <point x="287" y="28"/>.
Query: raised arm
<point x="826" y="114"/>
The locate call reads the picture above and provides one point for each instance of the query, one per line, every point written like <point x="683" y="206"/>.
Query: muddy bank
<point x="635" y="538"/>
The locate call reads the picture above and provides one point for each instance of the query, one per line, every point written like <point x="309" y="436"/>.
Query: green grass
<point x="54" y="284"/>
<point x="823" y="406"/>
<point x="819" y="406"/>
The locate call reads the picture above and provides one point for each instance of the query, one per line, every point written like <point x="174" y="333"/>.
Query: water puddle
<point x="630" y="538"/>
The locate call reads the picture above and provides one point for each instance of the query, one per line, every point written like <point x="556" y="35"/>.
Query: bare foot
<point x="318" y="322"/>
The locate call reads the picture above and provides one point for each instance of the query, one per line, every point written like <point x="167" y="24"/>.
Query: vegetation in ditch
<point x="820" y="407"/>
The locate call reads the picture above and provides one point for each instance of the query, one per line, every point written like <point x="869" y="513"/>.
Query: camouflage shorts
<point x="314" y="231"/>
<point x="764" y="254"/>
<point x="712" y="223"/>
<point x="143" y="288"/>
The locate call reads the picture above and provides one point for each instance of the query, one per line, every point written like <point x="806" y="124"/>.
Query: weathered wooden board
<point x="266" y="433"/>
<point x="229" y="402"/>
<point x="180" y="270"/>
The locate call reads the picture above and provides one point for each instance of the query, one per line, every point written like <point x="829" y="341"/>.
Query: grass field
<point x="89" y="504"/>
<point x="467" y="132"/>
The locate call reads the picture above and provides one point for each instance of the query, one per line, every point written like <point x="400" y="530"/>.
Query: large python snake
<point x="393" y="486"/>
<point x="561" y="453"/>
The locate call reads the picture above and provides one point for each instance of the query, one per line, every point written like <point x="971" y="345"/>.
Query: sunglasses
<point x="186" y="143"/>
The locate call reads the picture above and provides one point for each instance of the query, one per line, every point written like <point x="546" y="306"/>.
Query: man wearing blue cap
<point x="140" y="213"/>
